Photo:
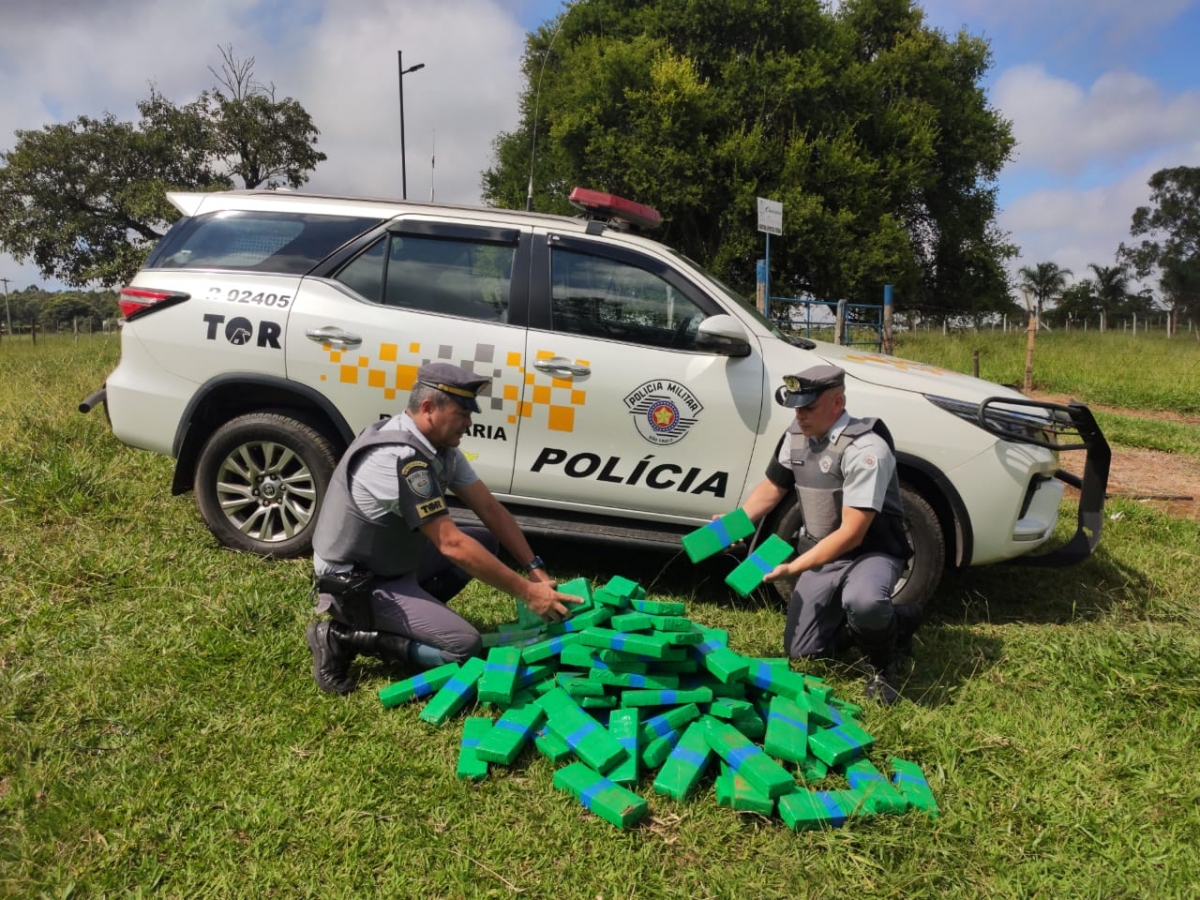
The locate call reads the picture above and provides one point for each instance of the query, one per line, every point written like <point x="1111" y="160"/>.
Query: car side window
<point x="607" y="298"/>
<point x="285" y="243"/>
<point x="452" y="276"/>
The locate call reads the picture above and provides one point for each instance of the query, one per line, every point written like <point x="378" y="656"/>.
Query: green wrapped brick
<point x="655" y="753"/>
<point x="607" y="701"/>
<point x="577" y="587"/>
<point x="631" y="621"/>
<point x="625" y="726"/>
<point x="735" y="792"/>
<point x="677" y="667"/>
<point x="878" y="794"/>
<point x="512" y="731"/>
<point x="808" y="810"/>
<point x="622" y="587"/>
<point x="531" y="675"/>
<point x="499" y="679"/>
<point x="776" y="679"/>
<point x="616" y="657"/>
<point x="685" y="765"/>
<point x="658" y="607"/>
<point x="617" y="805"/>
<point x="725" y="665"/>
<point x="787" y="730"/>
<point x="672" y="623"/>
<point x="748" y="759"/>
<point x="665" y="681"/>
<point x="672" y="720"/>
<point x="710" y="539"/>
<point x="750" y="573"/>
<point x="609" y="600"/>
<point x="681" y="638"/>
<point x="549" y="647"/>
<point x="515" y="637"/>
<point x="580" y="622"/>
<point x="580" y="685"/>
<point x="819" y="712"/>
<point x="454" y="694"/>
<point x="839" y="743"/>
<point x="666" y="698"/>
<point x="550" y="745"/>
<point x="912" y="784"/>
<point x="652" y="645"/>
<point x="422" y="685"/>
<point x="812" y="770"/>
<point x="587" y="737"/>
<point x="470" y="765"/>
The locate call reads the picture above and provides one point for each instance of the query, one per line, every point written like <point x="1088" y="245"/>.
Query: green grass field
<point x="160" y="734"/>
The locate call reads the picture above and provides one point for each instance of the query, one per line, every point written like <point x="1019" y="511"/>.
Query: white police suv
<point x="631" y="393"/>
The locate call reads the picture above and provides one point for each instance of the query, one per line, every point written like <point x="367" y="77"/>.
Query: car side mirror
<point x="723" y="335"/>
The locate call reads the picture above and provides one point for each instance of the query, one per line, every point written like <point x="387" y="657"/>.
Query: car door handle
<point x="561" y="366"/>
<point x="331" y="334"/>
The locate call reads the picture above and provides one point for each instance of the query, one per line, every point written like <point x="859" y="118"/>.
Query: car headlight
<point x="1023" y="421"/>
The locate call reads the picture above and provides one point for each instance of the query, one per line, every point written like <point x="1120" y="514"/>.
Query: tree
<point x="870" y="127"/>
<point x="86" y="200"/>
<point x="1111" y="291"/>
<point x="1045" y="281"/>
<point x="1076" y="302"/>
<point x="1172" y="243"/>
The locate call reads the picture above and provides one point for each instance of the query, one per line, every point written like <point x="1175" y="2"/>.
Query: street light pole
<point x="403" y="169"/>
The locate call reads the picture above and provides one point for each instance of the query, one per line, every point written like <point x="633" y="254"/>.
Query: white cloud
<point x="1063" y="128"/>
<point x="61" y="60"/>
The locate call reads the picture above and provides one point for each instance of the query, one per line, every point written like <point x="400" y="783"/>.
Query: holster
<point x="351" y="592"/>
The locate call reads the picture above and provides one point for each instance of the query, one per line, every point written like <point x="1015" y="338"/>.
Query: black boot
<point x="331" y="658"/>
<point x="880" y="648"/>
<point x="335" y="645"/>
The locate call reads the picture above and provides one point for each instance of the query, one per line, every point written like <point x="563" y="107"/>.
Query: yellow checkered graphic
<point x="557" y="396"/>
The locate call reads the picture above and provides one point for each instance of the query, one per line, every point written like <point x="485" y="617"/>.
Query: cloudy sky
<point x="1101" y="93"/>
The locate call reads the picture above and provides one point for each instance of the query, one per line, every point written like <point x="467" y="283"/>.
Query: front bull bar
<point x="1092" y="487"/>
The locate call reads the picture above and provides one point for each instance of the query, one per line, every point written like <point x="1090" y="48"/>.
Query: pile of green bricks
<point x="629" y="690"/>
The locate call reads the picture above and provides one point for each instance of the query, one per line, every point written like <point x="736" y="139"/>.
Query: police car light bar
<point x="610" y="206"/>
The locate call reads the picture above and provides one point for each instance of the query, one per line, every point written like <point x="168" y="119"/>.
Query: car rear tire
<point x="260" y="481"/>
<point x="921" y="575"/>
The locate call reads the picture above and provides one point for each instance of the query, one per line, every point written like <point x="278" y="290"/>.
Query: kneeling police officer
<point x="387" y="556"/>
<point x="843" y="471"/>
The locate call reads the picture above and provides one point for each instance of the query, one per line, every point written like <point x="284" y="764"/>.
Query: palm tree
<point x="1046" y="281"/>
<point x="1112" y="290"/>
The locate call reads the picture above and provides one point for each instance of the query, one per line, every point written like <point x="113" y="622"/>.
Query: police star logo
<point x="826" y="464"/>
<point x="663" y="411"/>
<point x="869" y="461"/>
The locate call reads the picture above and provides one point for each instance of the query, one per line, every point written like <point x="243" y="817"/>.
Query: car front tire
<point x="260" y="481"/>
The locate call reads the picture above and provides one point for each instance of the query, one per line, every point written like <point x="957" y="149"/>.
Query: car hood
<point x="906" y="375"/>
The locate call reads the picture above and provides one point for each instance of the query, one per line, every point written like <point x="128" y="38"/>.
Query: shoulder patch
<point x="434" y="506"/>
<point x="418" y="477"/>
<point x="869" y="460"/>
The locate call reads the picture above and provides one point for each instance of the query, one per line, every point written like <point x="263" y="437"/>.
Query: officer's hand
<point x="548" y="603"/>
<point x="783" y="571"/>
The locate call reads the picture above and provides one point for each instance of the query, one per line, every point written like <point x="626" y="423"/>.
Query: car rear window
<point x="287" y="243"/>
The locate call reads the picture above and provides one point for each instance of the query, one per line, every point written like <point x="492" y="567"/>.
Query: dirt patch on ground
<point x="1167" y="481"/>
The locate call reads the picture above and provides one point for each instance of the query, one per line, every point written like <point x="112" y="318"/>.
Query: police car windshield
<point x="733" y="295"/>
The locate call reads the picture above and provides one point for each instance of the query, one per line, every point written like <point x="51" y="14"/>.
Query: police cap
<point x="802" y="389"/>
<point x="461" y="385"/>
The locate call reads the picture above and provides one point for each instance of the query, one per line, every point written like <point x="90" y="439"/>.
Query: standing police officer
<point x="388" y="557"/>
<point x="844" y="473"/>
